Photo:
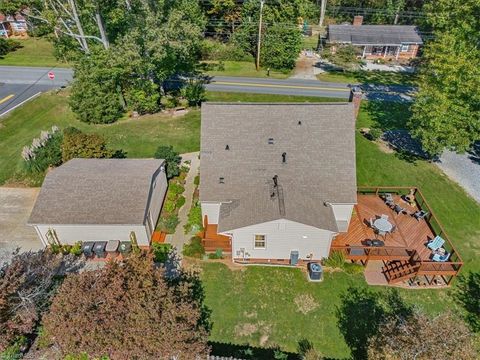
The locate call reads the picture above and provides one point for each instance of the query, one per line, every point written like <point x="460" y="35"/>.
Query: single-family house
<point x="277" y="180"/>
<point x="12" y="25"/>
<point x="100" y="200"/>
<point x="399" y="42"/>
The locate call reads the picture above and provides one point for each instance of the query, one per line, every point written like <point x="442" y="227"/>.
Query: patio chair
<point x="440" y="258"/>
<point x="398" y="209"/>
<point x="420" y="214"/>
<point x="388" y="197"/>
<point x="390" y="203"/>
<point x="394" y="228"/>
<point x="371" y="223"/>
<point x="383" y="216"/>
<point x="436" y="243"/>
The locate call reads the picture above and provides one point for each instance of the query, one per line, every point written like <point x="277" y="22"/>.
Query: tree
<point x="467" y="293"/>
<point x="129" y="310"/>
<point x="345" y="56"/>
<point x="446" y="112"/>
<point x="172" y="159"/>
<point x="417" y="338"/>
<point x="77" y="144"/>
<point x="8" y="45"/>
<point x="194" y="92"/>
<point x="27" y="283"/>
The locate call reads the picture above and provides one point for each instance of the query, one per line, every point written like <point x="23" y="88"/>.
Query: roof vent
<point x="299" y="122"/>
<point x="270" y="141"/>
<point x="227" y="147"/>
<point x="284" y="158"/>
<point x="221" y="180"/>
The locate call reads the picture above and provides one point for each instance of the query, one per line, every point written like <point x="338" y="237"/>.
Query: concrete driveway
<point x="15" y="207"/>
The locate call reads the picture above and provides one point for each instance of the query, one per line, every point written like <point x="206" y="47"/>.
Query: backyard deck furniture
<point x="383" y="216"/>
<point x="440" y="258"/>
<point x="382" y="225"/>
<point x="99" y="249"/>
<point x="112" y="246"/>
<point x="398" y="209"/>
<point x="374" y="243"/>
<point x="388" y="197"/>
<point x="436" y="243"/>
<point x="420" y="214"/>
<point x="394" y="228"/>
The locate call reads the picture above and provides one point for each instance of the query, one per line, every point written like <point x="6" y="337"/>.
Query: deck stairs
<point x="397" y="271"/>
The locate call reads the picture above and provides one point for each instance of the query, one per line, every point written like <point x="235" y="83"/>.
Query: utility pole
<point x="257" y="64"/>
<point x="323" y="7"/>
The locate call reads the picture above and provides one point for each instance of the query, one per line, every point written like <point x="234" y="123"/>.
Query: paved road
<point x="20" y="83"/>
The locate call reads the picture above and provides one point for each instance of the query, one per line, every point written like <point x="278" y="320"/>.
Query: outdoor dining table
<point x="383" y="225"/>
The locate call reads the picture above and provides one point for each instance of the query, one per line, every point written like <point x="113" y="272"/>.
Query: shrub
<point x="335" y="260"/>
<point x="172" y="159"/>
<point x="194" y="248"/>
<point x="8" y="45"/>
<point x="77" y="144"/>
<point x="194" y="223"/>
<point x="169" y="224"/>
<point x="218" y="254"/>
<point x="76" y="249"/>
<point x="45" y="151"/>
<point x="176" y="188"/>
<point x="161" y="251"/>
<point x="14" y="351"/>
<point x="375" y="133"/>
<point x="194" y="92"/>
<point x="196" y="181"/>
<point x="169" y="206"/>
<point x="353" y="269"/>
<point x="180" y="202"/>
<point x="216" y="50"/>
<point x="66" y="249"/>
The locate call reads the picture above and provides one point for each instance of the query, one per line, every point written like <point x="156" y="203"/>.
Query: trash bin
<point x="294" y="257"/>
<point x="87" y="248"/>
<point x="125" y="247"/>
<point x="315" y="272"/>
<point x="112" y="246"/>
<point x="99" y="249"/>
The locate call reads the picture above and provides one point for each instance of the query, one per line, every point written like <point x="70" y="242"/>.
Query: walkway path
<point x="180" y="238"/>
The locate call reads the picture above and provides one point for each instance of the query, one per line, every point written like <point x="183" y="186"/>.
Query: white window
<point x="260" y="241"/>
<point x="405" y="48"/>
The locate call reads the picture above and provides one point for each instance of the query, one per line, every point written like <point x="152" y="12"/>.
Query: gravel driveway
<point x="15" y="207"/>
<point x="464" y="169"/>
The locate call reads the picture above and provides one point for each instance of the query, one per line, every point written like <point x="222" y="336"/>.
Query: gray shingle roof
<point x="320" y="161"/>
<point x="374" y="34"/>
<point x="96" y="191"/>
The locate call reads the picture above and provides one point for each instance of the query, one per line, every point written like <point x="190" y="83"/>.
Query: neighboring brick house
<point x="12" y="26"/>
<point x="390" y="42"/>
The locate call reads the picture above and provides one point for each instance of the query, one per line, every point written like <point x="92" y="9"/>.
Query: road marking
<point x="279" y="86"/>
<point x="23" y="102"/>
<point x="6" y="98"/>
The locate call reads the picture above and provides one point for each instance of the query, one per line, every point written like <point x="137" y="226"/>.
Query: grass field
<point x="138" y="137"/>
<point x="246" y="69"/>
<point x="368" y="77"/>
<point x="34" y="52"/>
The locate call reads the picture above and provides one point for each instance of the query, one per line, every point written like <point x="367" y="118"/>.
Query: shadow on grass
<point x="363" y="311"/>
<point x="248" y="352"/>
<point x="389" y="115"/>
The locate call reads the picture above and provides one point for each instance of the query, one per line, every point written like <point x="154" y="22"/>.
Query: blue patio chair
<point x="441" y="258"/>
<point x="436" y="243"/>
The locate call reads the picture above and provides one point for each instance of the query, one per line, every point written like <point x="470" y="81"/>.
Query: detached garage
<point x="100" y="200"/>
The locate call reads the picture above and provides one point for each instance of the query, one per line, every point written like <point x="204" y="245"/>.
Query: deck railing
<point x="371" y="253"/>
<point x="455" y="261"/>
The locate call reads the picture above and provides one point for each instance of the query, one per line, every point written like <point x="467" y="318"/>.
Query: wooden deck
<point x="405" y="254"/>
<point x="411" y="234"/>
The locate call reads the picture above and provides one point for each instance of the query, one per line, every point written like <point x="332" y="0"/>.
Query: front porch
<point x="404" y="253"/>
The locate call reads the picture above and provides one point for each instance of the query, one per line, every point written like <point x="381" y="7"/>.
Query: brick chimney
<point x="356" y="99"/>
<point x="357" y="20"/>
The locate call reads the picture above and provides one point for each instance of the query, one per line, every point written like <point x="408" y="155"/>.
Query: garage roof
<point x="97" y="191"/>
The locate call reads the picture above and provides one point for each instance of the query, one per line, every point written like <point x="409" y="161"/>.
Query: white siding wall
<point x="282" y="237"/>
<point x="70" y="234"/>
<point x="343" y="213"/>
<point x="212" y="210"/>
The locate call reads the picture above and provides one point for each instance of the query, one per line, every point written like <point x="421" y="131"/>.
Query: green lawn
<point x="138" y="137"/>
<point x="241" y="68"/>
<point x="368" y="77"/>
<point x="310" y="42"/>
<point x="34" y="52"/>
